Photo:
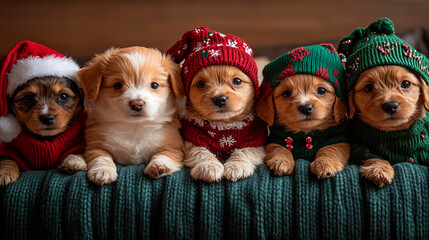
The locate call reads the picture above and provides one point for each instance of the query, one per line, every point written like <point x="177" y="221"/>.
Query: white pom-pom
<point x="9" y="128"/>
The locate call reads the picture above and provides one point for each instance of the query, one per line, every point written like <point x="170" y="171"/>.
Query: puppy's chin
<point x="306" y="124"/>
<point x="391" y="122"/>
<point x="47" y="131"/>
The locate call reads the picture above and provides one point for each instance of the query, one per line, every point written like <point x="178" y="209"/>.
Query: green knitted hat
<point x="377" y="45"/>
<point x="319" y="60"/>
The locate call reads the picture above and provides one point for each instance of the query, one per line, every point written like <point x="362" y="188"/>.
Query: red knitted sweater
<point x="222" y="139"/>
<point x="32" y="154"/>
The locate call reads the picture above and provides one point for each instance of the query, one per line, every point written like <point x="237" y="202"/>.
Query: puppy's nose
<point x="220" y="100"/>
<point x="137" y="105"/>
<point x="47" y="119"/>
<point x="306" y="109"/>
<point x="390" y="107"/>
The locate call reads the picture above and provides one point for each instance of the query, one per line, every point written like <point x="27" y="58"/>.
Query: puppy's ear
<point x="425" y="93"/>
<point x="91" y="76"/>
<point x="174" y="77"/>
<point x="340" y="109"/>
<point x="265" y="109"/>
<point x="352" y="106"/>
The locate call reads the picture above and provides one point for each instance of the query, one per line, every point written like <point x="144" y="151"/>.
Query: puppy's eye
<point x="154" y="85"/>
<point x="405" y="84"/>
<point x="237" y="81"/>
<point x="368" y="88"/>
<point x="63" y="97"/>
<point x="286" y="94"/>
<point x="321" y="91"/>
<point x="201" y="84"/>
<point x="27" y="99"/>
<point x="117" y="86"/>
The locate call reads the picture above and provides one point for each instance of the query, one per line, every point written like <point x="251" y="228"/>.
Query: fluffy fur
<point x="328" y="111"/>
<point x="384" y="83"/>
<point x="56" y="96"/>
<point x="218" y="80"/>
<point x="132" y="115"/>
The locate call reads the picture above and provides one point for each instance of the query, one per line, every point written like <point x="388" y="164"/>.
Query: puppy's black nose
<point x="220" y="100"/>
<point x="306" y="109"/>
<point x="47" y="119"/>
<point x="390" y="107"/>
<point x="137" y="105"/>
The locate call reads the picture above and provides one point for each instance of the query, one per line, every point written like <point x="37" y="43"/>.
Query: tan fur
<point x="329" y="111"/>
<point x="73" y="163"/>
<point x="386" y="81"/>
<point x="9" y="172"/>
<point x="114" y="132"/>
<point x="218" y="81"/>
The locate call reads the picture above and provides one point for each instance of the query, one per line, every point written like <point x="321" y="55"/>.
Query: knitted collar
<point x="408" y="145"/>
<point x="305" y="145"/>
<point x="217" y="125"/>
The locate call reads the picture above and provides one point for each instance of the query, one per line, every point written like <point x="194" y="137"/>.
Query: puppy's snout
<point x="137" y="105"/>
<point x="306" y="109"/>
<point x="47" y="119"/>
<point x="220" y="100"/>
<point x="390" y="107"/>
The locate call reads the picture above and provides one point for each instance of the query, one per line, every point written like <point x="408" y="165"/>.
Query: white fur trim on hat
<point x="31" y="67"/>
<point x="9" y="128"/>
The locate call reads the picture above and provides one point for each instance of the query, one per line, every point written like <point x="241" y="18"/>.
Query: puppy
<point x="223" y="136"/>
<point x="303" y="107"/>
<point x="45" y="125"/>
<point x="387" y="92"/>
<point x="390" y="99"/>
<point x="132" y="115"/>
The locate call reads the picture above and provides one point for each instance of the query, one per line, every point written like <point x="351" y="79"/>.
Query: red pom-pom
<point x="308" y="140"/>
<point x="288" y="140"/>
<point x="309" y="146"/>
<point x="289" y="147"/>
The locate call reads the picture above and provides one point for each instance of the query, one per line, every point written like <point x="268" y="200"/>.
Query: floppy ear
<point x="340" y="109"/>
<point x="352" y="106"/>
<point x="265" y="109"/>
<point x="90" y="76"/>
<point x="424" y="93"/>
<point x="174" y="77"/>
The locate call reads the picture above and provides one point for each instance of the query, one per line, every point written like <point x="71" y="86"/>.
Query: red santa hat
<point x="203" y="47"/>
<point x="25" y="61"/>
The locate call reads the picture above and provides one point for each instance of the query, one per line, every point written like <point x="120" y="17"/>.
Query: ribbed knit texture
<point x="222" y="139"/>
<point x="319" y="60"/>
<point x="319" y="139"/>
<point x="202" y="47"/>
<point x="378" y="45"/>
<point x="409" y="145"/>
<point x="55" y="205"/>
<point x="33" y="154"/>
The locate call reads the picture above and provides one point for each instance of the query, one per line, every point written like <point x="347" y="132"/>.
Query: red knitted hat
<point x="202" y="47"/>
<point x="25" y="61"/>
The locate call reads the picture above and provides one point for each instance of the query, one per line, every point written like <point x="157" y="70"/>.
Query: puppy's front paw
<point x="9" y="172"/>
<point x="161" y="165"/>
<point x="280" y="166"/>
<point x="101" y="172"/>
<point x="209" y="171"/>
<point x="73" y="163"/>
<point x="235" y="170"/>
<point x="325" y="167"/>
<point x="378" y="171"/>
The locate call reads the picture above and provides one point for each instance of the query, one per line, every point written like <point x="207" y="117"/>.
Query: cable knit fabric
<point x="220" y="138"/>
<point x="409" y="145"/>
<point x="305" y="145"/>
<point x="55" y="205"/>
<point x="33" y="154"/>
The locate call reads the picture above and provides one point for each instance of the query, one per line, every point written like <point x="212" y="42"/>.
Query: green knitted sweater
<point x="409" y="145"/>
<point x="301" y="141"/>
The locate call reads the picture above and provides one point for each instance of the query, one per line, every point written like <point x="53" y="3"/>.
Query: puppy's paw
<point x="235" y="170"/>
<point x="209" y="171"/>
<point x="161" y="165"/>
<point x="9" y="172"/>
<point x="325" y="167"/>
<point x="101" y="172"/>
<point x="378" y="171"/>
<point x="280" y="166"/>
<point x="73" y="163"/>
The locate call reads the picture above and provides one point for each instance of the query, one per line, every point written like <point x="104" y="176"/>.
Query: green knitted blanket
<point x="55" y="205"/>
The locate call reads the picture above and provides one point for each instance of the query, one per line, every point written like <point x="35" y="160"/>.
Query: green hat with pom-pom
<point x="378" y="45"/>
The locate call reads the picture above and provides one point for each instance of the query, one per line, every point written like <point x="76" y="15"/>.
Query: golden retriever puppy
<point x="223" y="136"/>
<point x="46" y="103"/>
<point x="388" y="99"/>
<point x="301" y="102"/>
<point x="132" y="114"/>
